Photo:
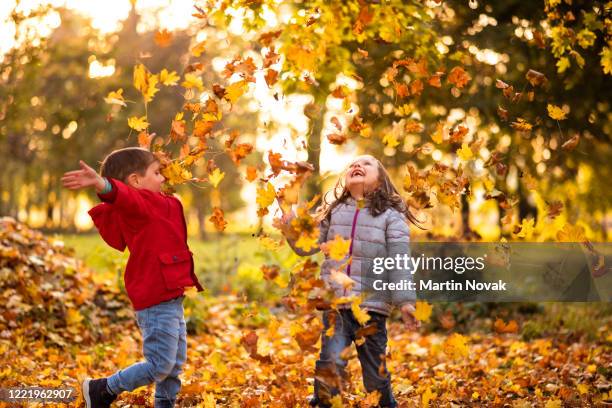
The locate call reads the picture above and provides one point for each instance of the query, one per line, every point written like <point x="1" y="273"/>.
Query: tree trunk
<point x="312" y="185"/>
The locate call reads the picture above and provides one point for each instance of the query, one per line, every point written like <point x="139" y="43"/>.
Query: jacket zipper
<point x="348" y="268"/>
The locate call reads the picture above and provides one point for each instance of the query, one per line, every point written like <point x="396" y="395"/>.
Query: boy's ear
<point x="132" y="180"/>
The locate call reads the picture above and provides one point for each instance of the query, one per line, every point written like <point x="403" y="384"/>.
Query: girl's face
<point x="363" y="172"/>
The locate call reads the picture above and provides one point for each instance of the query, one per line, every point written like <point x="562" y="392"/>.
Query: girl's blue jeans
<point x="330" y="367"/>
<point x="165" y="351"/>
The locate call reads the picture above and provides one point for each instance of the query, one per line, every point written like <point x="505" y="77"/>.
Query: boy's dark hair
<point x="123" y="162"/>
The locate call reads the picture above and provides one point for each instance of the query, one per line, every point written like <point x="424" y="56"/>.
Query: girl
<point x="368" y="210"/>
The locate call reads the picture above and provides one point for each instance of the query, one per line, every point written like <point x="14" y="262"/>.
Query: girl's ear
<point x="132" y="180"/>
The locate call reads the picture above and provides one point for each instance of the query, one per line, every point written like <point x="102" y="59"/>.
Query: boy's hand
<point x="86" y="177"/>
<point x="410" y="321"/>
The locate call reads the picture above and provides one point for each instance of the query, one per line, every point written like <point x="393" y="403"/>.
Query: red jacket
<point x="152" y="226"/>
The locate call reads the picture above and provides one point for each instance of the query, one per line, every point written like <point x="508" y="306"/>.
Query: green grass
<point x="227" y="262"/>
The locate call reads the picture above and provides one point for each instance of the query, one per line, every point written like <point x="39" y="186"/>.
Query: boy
<point x="134" y="213"/>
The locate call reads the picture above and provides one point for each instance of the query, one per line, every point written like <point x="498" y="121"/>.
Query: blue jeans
<point x="165" y="350"/>
<point x="330" y="367"/>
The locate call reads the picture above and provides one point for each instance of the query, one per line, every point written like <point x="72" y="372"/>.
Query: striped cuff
<point x="108" y="187"/>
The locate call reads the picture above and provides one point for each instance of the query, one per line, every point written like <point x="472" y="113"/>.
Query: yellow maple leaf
<point x="390" y="140"/>
<point x="115" y="97"/>
<point x="307" y="242"/>
<point x="193" y="81"/>
<point x="527" y="227"/>
<point x="361" y="315"/>
<point x="266" y="195"/>
<point x="215" y="177"/>
<point x="606" y="60"/>
<point x="563" y="64"/>
<point x="235" y="91"/>
<point x="465" y="153"/>
<point x="571" y="233"/>
<point x="337" y="248"/>
<point x="422" y="311"/>
<point x="175" y="173"/>
<point x="168" y="78"/>
<point x="145" y="82"/>
<point x="138" y="123"/>
<point x="438" y="135"/>
<point x="427" y="396"/>
<point x="556" y="112"/>
<point x="456" y="345"/>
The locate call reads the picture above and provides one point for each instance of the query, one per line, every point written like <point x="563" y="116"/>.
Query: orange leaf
<point x="163" y="38"/>
<point x="217" y="219"/>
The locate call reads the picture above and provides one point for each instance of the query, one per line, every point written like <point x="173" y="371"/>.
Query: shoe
<point x="96" y="394"/>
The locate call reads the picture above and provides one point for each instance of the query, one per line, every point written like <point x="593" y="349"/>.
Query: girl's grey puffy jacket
<point x="386" y="235"/>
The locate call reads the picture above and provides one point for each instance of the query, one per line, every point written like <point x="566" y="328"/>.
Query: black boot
<point x="96" y="394"/>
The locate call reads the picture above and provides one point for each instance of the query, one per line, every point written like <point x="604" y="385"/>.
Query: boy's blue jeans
<point x="330" y="367"/>
<point x="165" y="350"/>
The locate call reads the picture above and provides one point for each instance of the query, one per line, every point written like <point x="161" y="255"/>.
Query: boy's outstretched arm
<point x="86" y="177"/>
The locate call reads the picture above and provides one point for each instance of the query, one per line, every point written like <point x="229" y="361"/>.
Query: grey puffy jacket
<point x="373" y="237"/>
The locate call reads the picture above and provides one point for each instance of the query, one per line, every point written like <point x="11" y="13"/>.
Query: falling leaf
<point x="115" y="98"/>
<point x="522" y="125"/>
<point x="458" y="77"/>
<point x="235" y="90"/>
<point x="168" y="78"/>
<point x="360" y="314"/>
<point x="465" y="153"/>
<point x="251" y="173"/>
<point x="336" y="139"/>
<point x="337" y="248"/>
<point x="193" y="81"/>
<point x="266" y="195"/>
<point x="525" y="229"/>
<point x="390" y="140"/>
<point x="571" y="233"/>
<point x="138" y="123"/>
<point x="536" y="78"/>
<point x="556" y="112"/>
<point x="217" y="219"/>
<point x="422" y="311"/>
<point x="145" y="82"/>
<point x="144" y="139"/>
<point x="215" y="177"/>
<point x="163" y="38"/>
<point x="571" y="143"/>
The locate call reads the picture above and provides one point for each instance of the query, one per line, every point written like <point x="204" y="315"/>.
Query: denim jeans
<point x="330" y="367"/>
<point x="165" y="351"/>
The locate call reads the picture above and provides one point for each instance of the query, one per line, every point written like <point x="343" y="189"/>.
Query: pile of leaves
<point x="48" y="294"/>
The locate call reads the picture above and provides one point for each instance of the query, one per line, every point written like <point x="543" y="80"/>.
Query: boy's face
<point x="152" y="179"/>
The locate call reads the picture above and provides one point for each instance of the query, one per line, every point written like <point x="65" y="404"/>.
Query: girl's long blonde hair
<point x="382" y="198"/>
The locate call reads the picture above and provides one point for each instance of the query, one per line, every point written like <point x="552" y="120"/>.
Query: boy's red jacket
<point x="152" y="226"/>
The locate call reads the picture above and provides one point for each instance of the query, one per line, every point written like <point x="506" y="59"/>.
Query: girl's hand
<point x="410" y="321"/>
<point x="286" y="215"/>
<point x="86" y="177"/>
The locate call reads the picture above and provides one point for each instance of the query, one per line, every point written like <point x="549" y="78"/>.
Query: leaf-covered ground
<point x="57" y="326"/>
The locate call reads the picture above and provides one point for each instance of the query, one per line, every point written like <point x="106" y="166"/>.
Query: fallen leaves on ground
<point x="254" y="355"/>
